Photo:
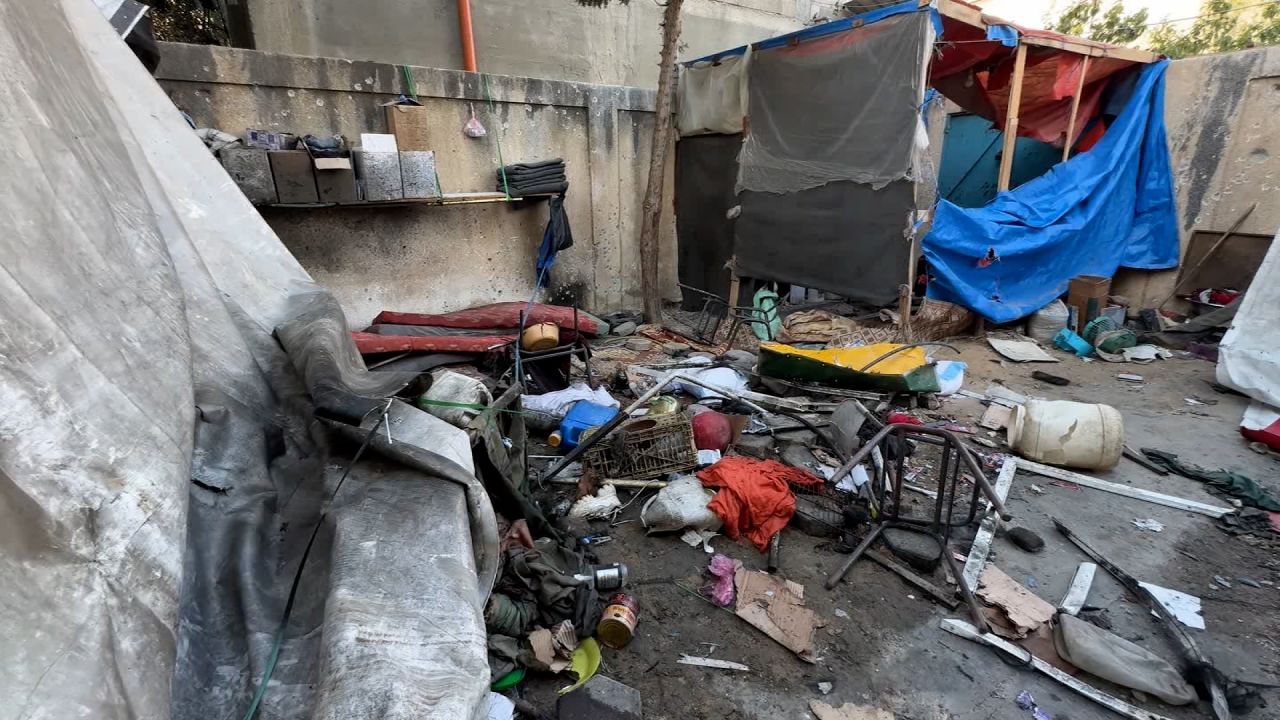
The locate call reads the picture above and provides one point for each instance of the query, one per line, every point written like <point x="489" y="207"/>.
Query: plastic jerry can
<point x="1071" y="434"/>
<point x="582" y="417"/>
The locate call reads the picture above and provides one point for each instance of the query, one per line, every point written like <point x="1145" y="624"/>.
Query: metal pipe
<point x="466" y="36"/>
<point x="839" y="574"/>
<point x="901" y="348"/>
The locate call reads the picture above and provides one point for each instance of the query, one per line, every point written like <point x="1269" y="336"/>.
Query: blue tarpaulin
<point x="1109" y="207"/>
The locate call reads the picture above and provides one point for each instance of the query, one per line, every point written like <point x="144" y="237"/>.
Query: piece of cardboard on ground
<point x="776" y="607"/>
<point x="1020" y="349"/>
<point x="996" y="417"/>
<point x="1024" y="610"/>
<point x="848" y="711"/>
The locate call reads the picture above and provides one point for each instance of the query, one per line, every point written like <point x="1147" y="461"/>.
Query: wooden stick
<point x="1129" y="491"/>
<point x="1182" y="277"/>
<point x="1075" y="109"/>
<point x="1011" y="117"/>
<point x="960" y="628"/>
<point x="982" y="541"/>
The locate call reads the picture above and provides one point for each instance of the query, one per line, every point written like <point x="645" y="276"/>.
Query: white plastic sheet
<point x="712" y="96"/>
<point x="1249" y="356"/>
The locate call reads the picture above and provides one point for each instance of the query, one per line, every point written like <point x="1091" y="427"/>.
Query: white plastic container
<point x="1070" y="434"/>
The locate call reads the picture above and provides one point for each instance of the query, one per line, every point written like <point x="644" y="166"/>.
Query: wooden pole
<point x="1075" y="110"/>
<point x="1011" y="117"/>
<point x="651" y="209"/>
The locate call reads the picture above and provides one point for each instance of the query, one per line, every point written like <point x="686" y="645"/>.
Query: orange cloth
<point x="754" y="498"/>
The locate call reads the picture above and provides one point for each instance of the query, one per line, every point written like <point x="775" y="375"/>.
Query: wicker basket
<point x="645" y="448"/>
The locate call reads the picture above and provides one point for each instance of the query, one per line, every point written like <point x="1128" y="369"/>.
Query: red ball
<point x="711" y="431"/>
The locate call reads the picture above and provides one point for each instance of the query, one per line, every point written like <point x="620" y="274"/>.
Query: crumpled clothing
<point x="755" y="499"/>
<point x="1231" y="483"/>
<point x="544" y="576"/>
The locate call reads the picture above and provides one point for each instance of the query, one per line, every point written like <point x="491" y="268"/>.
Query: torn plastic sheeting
<point x="681" y="504"/>
<point x="1106" y="208"/>
<point x="145" y="243"/>
<point x="1247" y="358"/>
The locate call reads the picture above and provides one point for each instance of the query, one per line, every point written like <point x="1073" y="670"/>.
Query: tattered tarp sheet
<point x="976" y="74"/>
<point x="712" y="96"/>
<point x="843" y="237"/>
<point x="706" y="171"/>
<point x="843" y="106"/>
<point x="1109" y="207"/>
<point x="160" y="462"/>
<point x="1249" y="355"/>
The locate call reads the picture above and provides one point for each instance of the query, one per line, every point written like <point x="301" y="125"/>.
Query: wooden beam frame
<point x="1011" y="117"/>
<point x="1075" y="110"/>
<point x="973" y="16"/>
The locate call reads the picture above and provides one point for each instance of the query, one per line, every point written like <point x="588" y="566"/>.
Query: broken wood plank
<point x="712" y="663"/>
<point x="1215" y="511"/>
<point x="946" y="599"/>
<point x="1078" y="593"/>
<point x="982" y="541"/>
<point x="960" y="628"/>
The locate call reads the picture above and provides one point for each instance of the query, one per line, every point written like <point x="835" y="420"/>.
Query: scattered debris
<point x="1250" y="582"/>
<point x="597" y="507"/>
<point x="1025" y="539"/>
<point x="776" y="607"/>
<point x="1020" y="350"/>
<point x="585" y="663"/>
<point x="1221" y="581"/>
<point x="825" y="688"/>
<point x="712" y="663"/>
<point x="996" y="417"/>
<point x="725" y="570"/>
<point x="1186" y="608"/>
<point x="1129" y="377"/>
<point x="681" y="504"/>
<point x="963" y="629"/>
<point x="1231" y="483"/>
<point x="1117" y="660"/>
<point x="618" y="622"/>
<point x="754" y="498"/>
<point x="1125" y="490"/>
<point x="1078" y="592"/>
<point x="1051" y="379"/>
<point x="1026" y="701"/>
<point x="699" y="538"/>
<point x="1023" y="611"/>
<point x="1148" y="524"/>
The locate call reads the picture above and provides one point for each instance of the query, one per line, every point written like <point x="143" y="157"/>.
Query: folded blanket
<point x="540" y="164"/>
<point x="537" y="189"/>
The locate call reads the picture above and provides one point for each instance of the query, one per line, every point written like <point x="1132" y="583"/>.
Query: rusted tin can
<point x="618" y="624"/>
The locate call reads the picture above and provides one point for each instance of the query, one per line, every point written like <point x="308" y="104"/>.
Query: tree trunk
<point x="652" y="207"/>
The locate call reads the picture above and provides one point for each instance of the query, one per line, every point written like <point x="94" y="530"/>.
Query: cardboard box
<point x="1088" y="295"/>
<point x="294" y="175"/>
<point x="409" y="124"/>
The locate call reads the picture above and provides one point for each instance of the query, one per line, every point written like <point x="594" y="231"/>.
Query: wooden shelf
<point x="472" y="198"/>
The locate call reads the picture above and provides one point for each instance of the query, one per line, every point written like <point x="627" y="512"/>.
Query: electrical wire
<point x="306" y="553"/>
<point x="1213" y="14"/>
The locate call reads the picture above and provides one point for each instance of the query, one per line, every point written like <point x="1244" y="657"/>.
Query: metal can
<point x="618" y="624"/>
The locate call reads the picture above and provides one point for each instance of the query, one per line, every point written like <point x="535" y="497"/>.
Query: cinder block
<point x="379" y="174"/>
<point x="337" y="186"/>
<point x="418" y="171"/>
<point x="251" y="171"/>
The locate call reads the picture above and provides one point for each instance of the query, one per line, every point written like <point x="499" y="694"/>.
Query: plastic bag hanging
<point x="473" y="128"/>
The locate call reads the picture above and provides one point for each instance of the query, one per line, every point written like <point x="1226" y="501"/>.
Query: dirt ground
<point x="884" y="647"/>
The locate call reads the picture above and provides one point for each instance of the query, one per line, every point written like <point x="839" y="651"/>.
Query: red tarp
<point x="497" y="315"/>
<point x="975" y="73"/>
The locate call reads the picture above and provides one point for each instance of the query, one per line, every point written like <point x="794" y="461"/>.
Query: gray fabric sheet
<point x="843" y="237"/>
<point x="841" y="107"/>
<point x="706" y="167"/>
<point x="160" y="463"/>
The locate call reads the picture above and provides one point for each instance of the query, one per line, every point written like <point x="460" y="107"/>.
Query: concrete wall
<point x="428" y="258"/>
<point x="1224" y="141"/>
<point x="559" y="39"/>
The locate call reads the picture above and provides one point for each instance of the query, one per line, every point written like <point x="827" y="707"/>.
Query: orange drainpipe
<point x="464" y="33"/>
